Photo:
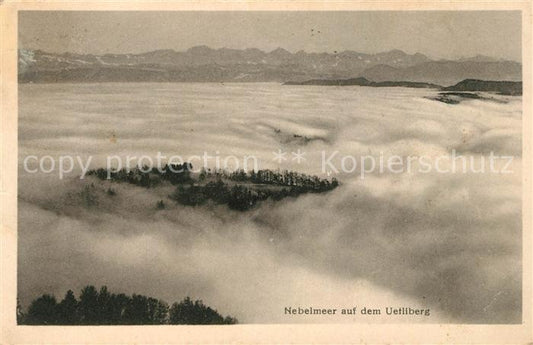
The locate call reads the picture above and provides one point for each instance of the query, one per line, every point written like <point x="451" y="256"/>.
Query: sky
<point x="437" y="34"/>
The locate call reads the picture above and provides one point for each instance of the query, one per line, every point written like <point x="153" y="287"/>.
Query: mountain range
<point x="204" y="64"/>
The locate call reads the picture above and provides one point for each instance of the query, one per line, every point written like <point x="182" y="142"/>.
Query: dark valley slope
<point x="363" y="82"/>
<point x="502" y="87"/>
<point x="447" y="72"/>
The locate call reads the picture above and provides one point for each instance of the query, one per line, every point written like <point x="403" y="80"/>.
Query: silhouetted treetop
<point x="104" y="308"/>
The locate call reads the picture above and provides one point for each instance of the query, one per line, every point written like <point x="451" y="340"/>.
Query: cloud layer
<point x="450" y="242"/>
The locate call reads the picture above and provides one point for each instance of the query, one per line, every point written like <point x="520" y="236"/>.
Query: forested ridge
<point x="239" y="190"/>
<point x="101" y="307"/>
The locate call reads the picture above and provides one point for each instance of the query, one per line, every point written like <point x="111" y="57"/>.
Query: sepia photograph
<point x="255" y="167"/>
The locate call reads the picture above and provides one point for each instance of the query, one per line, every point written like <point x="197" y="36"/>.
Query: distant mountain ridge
<point x="502" y="87"/>
<point x="361" y="81"/>
<point x="512" y="88"/>
<point x="204" y="64"/>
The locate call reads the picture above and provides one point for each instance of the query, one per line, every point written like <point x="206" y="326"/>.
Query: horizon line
<point x="276" y="49"/>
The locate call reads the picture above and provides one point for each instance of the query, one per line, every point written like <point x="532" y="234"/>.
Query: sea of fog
<point x="446" y="241"/>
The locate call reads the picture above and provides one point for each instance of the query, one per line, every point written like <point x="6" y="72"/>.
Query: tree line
<point x="182" y="174"/>
<point x="240" y="190"/>
<point x="104" y="308"/>
<point x="147" y="176"/>
<point x="239" y="197"/>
